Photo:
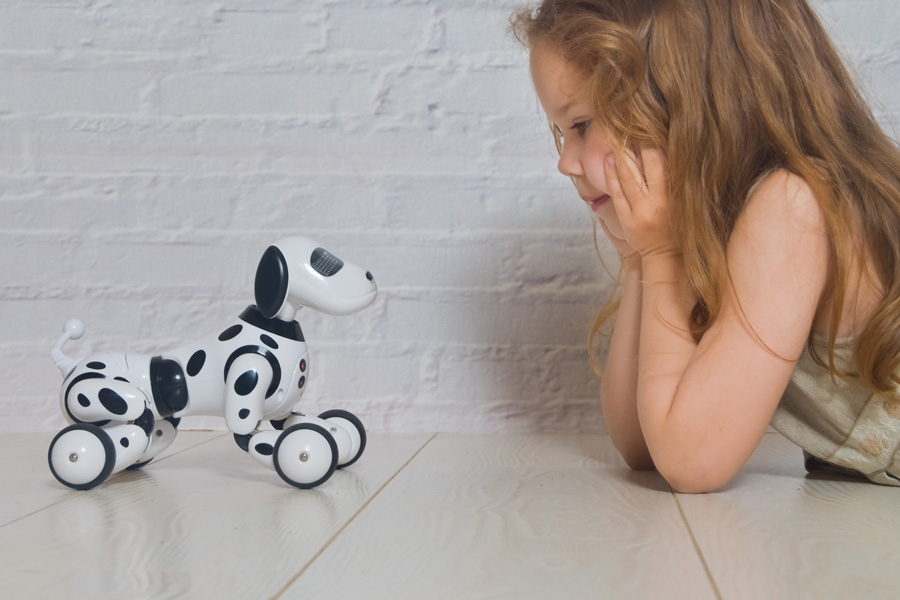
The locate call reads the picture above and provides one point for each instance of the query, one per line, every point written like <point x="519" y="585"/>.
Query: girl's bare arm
<point x="703" y="407"/>
<point x="618" y="387"/>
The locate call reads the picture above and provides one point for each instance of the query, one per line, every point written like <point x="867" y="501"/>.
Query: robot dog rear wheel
<point x="82" y="456"/>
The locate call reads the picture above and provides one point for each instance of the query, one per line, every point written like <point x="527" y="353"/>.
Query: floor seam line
<point x="352" y="518"/>
<point x="706" y="569"/>
<point x="112" y="477"/>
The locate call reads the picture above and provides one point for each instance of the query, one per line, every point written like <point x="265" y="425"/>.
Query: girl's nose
<point x="568" y="164"/>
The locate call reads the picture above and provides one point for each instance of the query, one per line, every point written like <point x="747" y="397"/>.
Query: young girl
<point x="755" y="204"/>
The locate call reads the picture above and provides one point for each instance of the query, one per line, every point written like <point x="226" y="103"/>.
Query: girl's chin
<point x="613" y="229"/>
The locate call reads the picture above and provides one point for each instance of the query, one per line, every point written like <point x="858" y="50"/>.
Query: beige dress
<point x="838" y="422"/>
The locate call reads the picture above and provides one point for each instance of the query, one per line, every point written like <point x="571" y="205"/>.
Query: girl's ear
<point x="272" y="282"/>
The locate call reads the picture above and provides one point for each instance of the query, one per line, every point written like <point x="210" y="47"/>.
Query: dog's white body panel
<point x="204" y="363"/>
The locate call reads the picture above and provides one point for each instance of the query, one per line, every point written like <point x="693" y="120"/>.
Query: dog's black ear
<point x="271" y="282"/>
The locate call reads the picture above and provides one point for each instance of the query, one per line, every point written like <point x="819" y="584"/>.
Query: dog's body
<point x="255" y="369"/>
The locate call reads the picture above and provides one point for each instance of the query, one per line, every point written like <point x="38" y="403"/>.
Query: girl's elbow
<point x="695" y="477"/>
<point x="636" y="456"/>
<point x="639" y="461"/>
<point x="682" y="477"/>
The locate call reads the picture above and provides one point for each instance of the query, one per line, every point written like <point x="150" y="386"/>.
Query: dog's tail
<point x="72" y="330"/>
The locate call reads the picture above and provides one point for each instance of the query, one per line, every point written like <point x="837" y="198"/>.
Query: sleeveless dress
<point x="840" y="424"/>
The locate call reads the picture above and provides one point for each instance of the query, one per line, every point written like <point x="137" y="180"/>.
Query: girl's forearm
<point x="667" y="345"/>
<point x="618" y="388"/>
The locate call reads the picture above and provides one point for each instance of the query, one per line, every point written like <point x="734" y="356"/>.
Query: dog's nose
<point x="369" y="276"/>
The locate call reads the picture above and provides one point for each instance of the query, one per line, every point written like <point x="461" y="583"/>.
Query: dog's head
<point x="297" y="272"/>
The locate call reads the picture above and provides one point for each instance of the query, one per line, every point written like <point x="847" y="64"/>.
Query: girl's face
<point x="564" y="97"/>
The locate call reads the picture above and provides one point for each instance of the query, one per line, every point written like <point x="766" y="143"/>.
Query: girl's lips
<point x="596" y="203"/>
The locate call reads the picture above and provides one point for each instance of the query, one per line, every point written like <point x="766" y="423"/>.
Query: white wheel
<point x="305" y="455"/>
<point x="349" y="422"/>
<point x="82" y="456"/>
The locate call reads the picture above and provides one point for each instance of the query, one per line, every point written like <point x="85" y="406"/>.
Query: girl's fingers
<point x="636" y="181"/>
<point x="654" y="167"/>
<point x="638" y="157"/>
<point x="620" y="200"/>
<point x="643" y="175"/>
<point x="633" y="180"/>
<point x="625" y="181"/>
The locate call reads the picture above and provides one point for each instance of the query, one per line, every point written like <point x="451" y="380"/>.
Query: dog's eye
<point x="325" y="263"/>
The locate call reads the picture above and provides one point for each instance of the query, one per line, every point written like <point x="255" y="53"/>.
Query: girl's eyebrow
<point x="565" y="108"/>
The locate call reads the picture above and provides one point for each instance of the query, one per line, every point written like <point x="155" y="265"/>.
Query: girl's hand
<point x="639" y="190"/>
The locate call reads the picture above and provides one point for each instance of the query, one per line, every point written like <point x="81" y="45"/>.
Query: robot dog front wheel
<point x="82" y="456"/>
<point x="305" y="455"/>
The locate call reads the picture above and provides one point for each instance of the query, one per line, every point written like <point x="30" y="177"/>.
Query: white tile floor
<point x="443" y="516"/>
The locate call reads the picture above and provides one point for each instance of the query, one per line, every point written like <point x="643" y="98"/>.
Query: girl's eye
<point x="581" y="126"/>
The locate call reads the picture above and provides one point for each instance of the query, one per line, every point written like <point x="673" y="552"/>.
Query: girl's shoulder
<point x="782" y="218"/>
<point x="782" y="193"/>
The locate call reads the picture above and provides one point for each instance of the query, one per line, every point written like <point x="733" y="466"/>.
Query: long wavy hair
<point x="733" y="90"/>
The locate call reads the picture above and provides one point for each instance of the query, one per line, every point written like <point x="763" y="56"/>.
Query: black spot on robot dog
<point x="83" y="400"/>
<point x="112" y="402"/>
<point x="96" y="365"/>
<point x="196" y="362"/>
<point x="243" y="441"/>
<point x="268" y="341"/>
<point x="267" y="354"/>
<point x="124" y="441"/>
<point x="302" y="382"/>
<point x="230" y="333"/>
<point x="121" y="379"/>
<point x="146" y="421"/>
<point x="264" y="449"/>
<point x="303" y="365"/>
<point x="246" y="383"/>
<point x="72" y="383"/>
<point x="244" y="413"/>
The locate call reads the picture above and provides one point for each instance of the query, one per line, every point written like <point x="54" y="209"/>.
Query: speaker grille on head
<point x="325" y="263"/>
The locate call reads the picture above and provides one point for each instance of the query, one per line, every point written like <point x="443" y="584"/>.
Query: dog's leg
<point x="261" y="445"/>
<point x="161" y="433"/>
<point x="248" y="379"/>
<point x="93" y="397"/>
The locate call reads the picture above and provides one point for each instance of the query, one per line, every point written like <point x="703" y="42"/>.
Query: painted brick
<point x="473" y="29"/>
<point x="152" y="150"/>
<point x="379" y="28"/>
<point x="33" y="28"/>
<point x="66" y="91"/>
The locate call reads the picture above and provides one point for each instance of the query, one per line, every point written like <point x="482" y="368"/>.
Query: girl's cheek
<point x="599" y="166"/>
<point x="597" y="174"/>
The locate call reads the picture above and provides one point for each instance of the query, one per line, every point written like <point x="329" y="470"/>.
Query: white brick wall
<point x="151" y="150"/>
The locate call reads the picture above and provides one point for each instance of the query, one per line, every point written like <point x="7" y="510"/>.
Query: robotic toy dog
<point x="125" y="407"/>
